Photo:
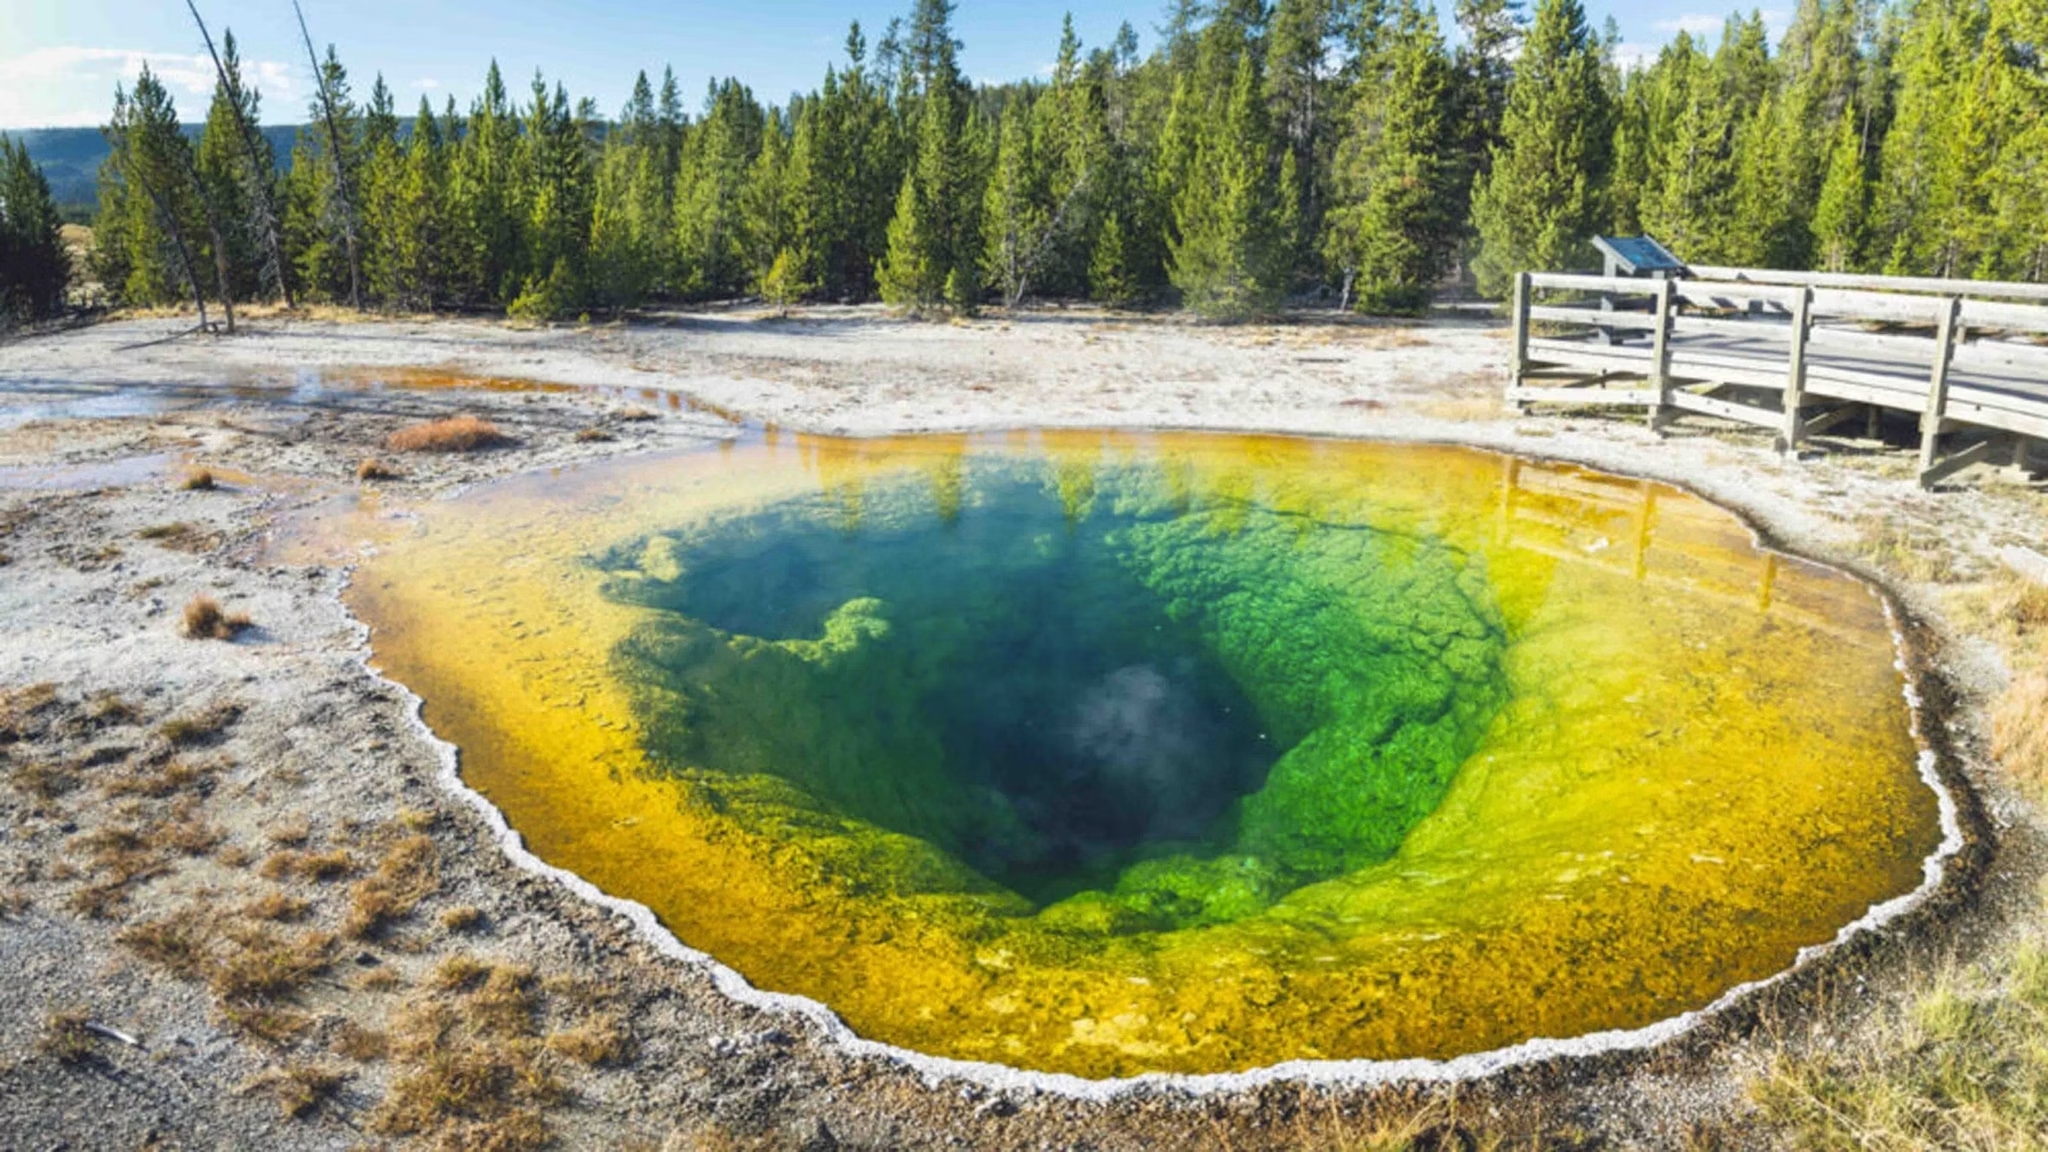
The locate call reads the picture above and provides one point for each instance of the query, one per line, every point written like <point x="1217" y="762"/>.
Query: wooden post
<point x="1520" y="370"/>
<point x="1660" y="354"/>
<point x="2020" y="452"/>
<point x="1937" y="384"/>
<point x="1795" y="373"/>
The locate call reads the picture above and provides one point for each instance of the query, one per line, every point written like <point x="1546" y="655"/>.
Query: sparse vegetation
<point x="408" y="874"/>
<point x="600" y="1040"/>
<point x="373" y="469"/>
<point x="200" y="727"/>
<point x="293" y="864"/>
<point x="198" y="480"/>
<point x="455" y="434"/>
<point x="204" y="620"/>
<point x="65" y="1038"/>
<point x="594" y="435"/>
<point x="462" y="918"/>
<point x="472" y="1071"/>
<point x="300" y="1089"/>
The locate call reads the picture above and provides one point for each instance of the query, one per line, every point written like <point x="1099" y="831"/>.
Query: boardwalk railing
<point x="1797" y="353"/>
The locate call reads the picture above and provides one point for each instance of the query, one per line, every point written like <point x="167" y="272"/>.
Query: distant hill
<point x="71" y="157"/>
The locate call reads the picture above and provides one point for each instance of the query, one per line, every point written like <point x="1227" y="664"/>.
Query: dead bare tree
<point x="334" y="152"/>
<point x="259" y="175"/>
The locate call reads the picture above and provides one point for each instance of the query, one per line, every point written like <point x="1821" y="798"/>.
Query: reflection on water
<point x="1116" y="753"/>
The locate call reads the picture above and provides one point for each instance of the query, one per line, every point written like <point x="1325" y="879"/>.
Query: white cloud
<point x="426" y="84"/>
<point x="1697" y="23"/>
<point x="1629" y="55"/>
<point x="73" y="86"/>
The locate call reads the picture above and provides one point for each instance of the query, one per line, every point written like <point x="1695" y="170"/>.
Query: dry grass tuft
<point x="455" y="434"/>
<point x="65" y="1038"/>
<point x="462" y="918"/>
<point x="409" y="873"/>
<point x="360" y="1044"/>
<point x="300" y="1089"/>
<point x="276" y="907"/>
<point x="178" y="941"/>
<point x="1963" y="1066"/>
<point x="594" y="436"/>
<point x="471" y="1072"/>
<point x="156" y="781"/>
<point x="1911" y="555"/>
<point x="373" y="469"/>
<point x="42" y="780"/>
<point x="292" y="864"/>
<point x="204" y="620"/>
<point x="22" y="711"/>
<point x="638" y="415"/>
<point x="599" y="1041"/>
<point x="2019" y="728"/>
<point x="202" y="726"/>
<point x="199" y="480"/>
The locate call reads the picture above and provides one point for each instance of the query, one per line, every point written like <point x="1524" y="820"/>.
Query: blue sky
<point x="60" y="59"/>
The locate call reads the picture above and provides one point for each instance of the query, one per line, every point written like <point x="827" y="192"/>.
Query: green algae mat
<point x="1112" y="754"/>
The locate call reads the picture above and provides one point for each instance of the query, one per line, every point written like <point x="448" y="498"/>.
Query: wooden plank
<point x="1961" y="407"/>
<point x="2003" y="356"/>
<point x="1934" y="473"/>
<point x="2006" y="289"/>
<point x="1937" y="387"/>
<point x="1576" y="282"/>
<point x="1731" y="294"/>
<point x="1913" y="347"/>
<point x="1689" y="365"/>
<point x="2007" y="317"/>
<point x="1830" y="418"/>
<point x="1627" y="321"/>
<point x="1876" y="306"/>
<point x="1725" y="409"/>
<point x="1765" y="329"/>
<point x="1795" y="373"/>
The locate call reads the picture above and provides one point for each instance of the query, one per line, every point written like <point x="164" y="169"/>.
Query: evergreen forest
<point x="1347" y="152"/>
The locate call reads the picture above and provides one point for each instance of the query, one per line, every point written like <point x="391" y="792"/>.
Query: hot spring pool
<point x="1109" y="754"/>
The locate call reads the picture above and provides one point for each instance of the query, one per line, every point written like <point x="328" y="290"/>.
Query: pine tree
<point x="934" y="240"/>
<point x="1838" y="218"/>
<point x="243" y="174"/>
<point x="35" y="268"/>
<point x="1228" y="259"/>
<point x="1395" y="224"/>
<point x="710" y="237"/>
<point x="1016" y="213"/>
<point x="160" y="230"/>
<point x="1542" y="199"/>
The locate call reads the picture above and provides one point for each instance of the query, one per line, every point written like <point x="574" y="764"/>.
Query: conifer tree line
<point x="35" y="267"/>
<point x="1340" y="150"/>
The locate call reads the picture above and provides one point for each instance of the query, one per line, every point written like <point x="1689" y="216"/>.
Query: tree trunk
<point x="341" y="188"/>
<point x="259" y="175"/>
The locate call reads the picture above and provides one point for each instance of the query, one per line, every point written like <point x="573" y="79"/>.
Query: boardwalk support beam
<point x="1937" y="392"/>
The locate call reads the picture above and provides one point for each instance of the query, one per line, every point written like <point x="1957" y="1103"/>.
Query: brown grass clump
<point x="179" y="941"/>
<point x="409" y="873"/>
<point x="277" y="907"/>
<point x="204" y="620"/>
<point x="359" y="1043"/>
<point x="462" y="918"/>
<point x="156" y="781"/>
<point x="638" y="415"/>
<point x="1897" y="548"/>
<point x="2019" y="728"/>
<point x="22" y="711"/>
<point x="65" y="1038"/>
<point x="374" y="469"/>
<point x="598" y="1041"/>
<point x="299" y="1088"/>
<point x="289" y="864"/>
<point x="43" y="780"/>
<point x="455" y="434"/>
<point x="471" y="1073"/>
<point x="594" y="436"/>
<point x="117" y="857"/>
<point x="202" y="726"/>
<point x="262" y="973"/>
<point x="199" y="480"/>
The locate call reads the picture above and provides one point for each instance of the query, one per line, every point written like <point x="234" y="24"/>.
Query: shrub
<point x="374" y="469"/>
<point x="204" y="620"/>
<point x="199" y="480"/>
<point x="455" y="434"/>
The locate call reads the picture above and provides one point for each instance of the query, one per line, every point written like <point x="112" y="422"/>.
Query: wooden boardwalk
<point x="1797" y="353"/>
